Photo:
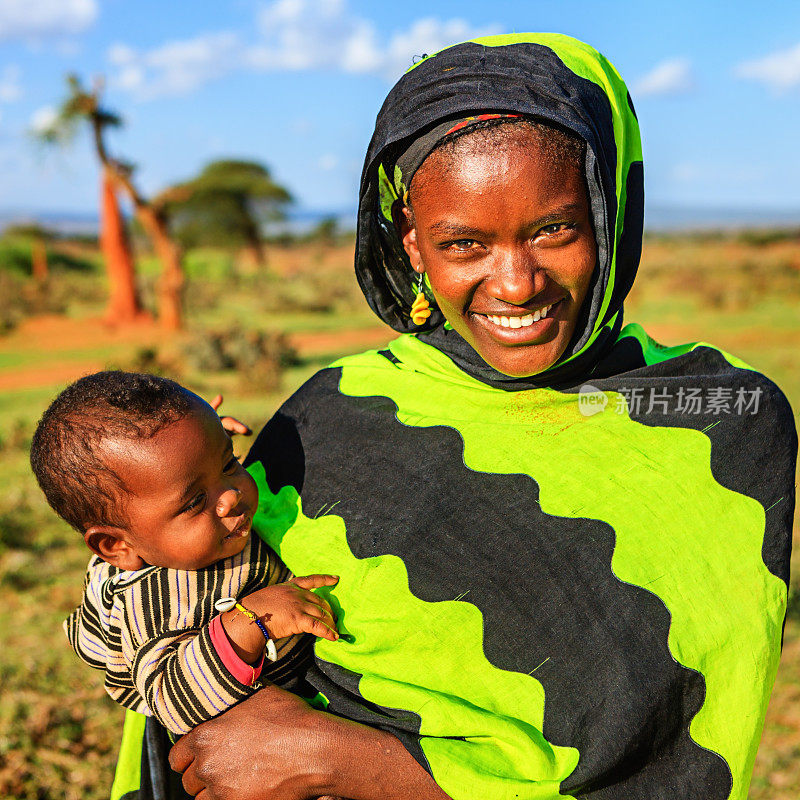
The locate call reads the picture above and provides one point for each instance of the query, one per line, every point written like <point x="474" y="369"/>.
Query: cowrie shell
<point x="272" y="653"/>
<point x="225" y="603"/>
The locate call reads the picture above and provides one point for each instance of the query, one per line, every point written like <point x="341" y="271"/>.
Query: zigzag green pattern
<point x="439" y="671"/>
<point x="681" y="535"/>
<point x="693" y="543"/>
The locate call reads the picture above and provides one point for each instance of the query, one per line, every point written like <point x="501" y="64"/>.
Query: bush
<point x="259" y="358"/>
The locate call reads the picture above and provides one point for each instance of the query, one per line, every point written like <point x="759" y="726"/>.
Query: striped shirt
<point x="149" y="631"/>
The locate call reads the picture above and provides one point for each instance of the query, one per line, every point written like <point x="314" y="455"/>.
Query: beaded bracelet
<point x="229" y="603"/>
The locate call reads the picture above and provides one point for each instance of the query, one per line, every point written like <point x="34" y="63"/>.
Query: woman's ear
<point x="110" y="543"/>
<point x="403" y="219"/>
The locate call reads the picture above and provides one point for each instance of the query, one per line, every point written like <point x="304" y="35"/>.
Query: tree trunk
<point x="123" y="303"/>
<point x="171" y="281"/>
<point x="254" y="249"/>
<point x="39" y="261"/>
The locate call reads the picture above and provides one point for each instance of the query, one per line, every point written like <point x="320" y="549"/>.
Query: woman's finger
<point x="314" y="581"/>
<point x="181" y="755"/>
<point x="216" y="402"/>
<point x="191" y="782"/>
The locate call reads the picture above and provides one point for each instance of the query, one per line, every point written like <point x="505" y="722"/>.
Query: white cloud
<point x="10" y="89"/>
<point x="43" y="119"/>
<point x="174" y="68"/>
<point x="427" y="36"/>
<point x="290" y="35"/>
<point x="34" y="19"/>
<point x="686" y="172"/>
<point x="779" y="71"/>
<point x="710" y="173"/>
<point x="328" y="162"/>
<point x="325" y="34"/>
<point x="673" y="76"/>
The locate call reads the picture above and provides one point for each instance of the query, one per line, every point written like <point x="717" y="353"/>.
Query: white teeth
<point x="520" y="322"/>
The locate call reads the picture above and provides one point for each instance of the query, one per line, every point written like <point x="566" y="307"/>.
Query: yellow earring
<point x="420" y="308"/>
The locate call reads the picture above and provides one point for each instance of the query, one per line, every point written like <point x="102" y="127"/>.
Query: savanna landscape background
<point x="254" y="334"/>
<point x="150" y="210"/>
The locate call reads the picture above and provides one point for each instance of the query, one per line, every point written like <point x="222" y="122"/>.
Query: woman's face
<point x="505" y="237"/>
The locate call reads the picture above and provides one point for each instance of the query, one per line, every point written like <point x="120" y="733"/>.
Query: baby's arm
<point x="284" y="609"/>
<point x="184" y="679"/>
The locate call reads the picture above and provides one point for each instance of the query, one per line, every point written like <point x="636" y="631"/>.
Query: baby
<point x="181" y="600"/>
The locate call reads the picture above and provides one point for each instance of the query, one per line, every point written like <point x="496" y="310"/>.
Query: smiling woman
<point x="503" y="232"/>
<point x="557" y="577"/>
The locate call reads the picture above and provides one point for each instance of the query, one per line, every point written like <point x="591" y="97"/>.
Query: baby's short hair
<point x="66" y="453"/>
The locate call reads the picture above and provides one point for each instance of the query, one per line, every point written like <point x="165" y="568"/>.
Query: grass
<point x="58" y="730"/>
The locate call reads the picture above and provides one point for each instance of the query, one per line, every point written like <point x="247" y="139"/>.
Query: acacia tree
<point x="38" y="238"/>
<point x="226" y="204"/>
<point x="84" y="105"/>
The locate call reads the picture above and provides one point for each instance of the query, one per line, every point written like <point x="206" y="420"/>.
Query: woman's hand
<point x="266" y="748"/>
<point x="276" y="747"/>
<point x="231" y="424"/>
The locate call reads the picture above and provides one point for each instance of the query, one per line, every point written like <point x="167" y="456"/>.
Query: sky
<point x="296" y="85"/>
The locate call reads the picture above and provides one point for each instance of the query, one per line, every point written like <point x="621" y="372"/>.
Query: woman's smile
<point x="518" y="326"/>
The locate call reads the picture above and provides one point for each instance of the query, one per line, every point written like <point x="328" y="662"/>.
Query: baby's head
<point x="145" y="471"/>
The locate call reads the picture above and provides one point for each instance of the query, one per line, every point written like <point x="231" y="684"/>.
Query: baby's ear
<point x="111" y="544"/>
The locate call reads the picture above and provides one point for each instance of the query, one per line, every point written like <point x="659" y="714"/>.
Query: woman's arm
<point x="276" y="747"/>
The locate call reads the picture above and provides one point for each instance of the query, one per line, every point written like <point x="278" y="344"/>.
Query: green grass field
<point x="58" y="731"/>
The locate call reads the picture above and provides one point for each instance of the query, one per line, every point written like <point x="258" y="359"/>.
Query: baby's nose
<point x="228" y="501"/>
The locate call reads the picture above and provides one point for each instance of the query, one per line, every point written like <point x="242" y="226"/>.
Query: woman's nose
<point x="516" y="277"/>
<point x="228" y="501"/>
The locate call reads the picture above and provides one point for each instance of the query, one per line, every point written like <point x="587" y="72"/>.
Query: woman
<point x="563" y="547"/>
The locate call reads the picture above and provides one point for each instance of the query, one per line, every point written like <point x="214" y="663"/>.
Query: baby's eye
<point x="195" y="502"/>
<point x="231" y="466"/>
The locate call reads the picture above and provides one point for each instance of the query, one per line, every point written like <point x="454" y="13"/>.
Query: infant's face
<point x="190" y="502"/>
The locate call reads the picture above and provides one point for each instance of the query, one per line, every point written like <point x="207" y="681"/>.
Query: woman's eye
<point x="556" y="227"/>
<point x="462" y="245"/>
<point x="195" y="502"/>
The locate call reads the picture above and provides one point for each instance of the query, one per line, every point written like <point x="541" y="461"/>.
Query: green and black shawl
<point x="571" y="585"/>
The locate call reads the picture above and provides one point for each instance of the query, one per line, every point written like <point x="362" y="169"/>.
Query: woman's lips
<point x="520" y="327"/>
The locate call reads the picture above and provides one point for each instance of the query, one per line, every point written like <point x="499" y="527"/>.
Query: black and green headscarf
<point x="571" y="585"/>
<point x="547" y="76"/>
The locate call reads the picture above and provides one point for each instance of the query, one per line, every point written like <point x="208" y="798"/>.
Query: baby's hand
<point x="231" y="424"/>
<point x="290" y="607"/>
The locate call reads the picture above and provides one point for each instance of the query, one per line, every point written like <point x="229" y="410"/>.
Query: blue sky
<point x="296" y="84"/>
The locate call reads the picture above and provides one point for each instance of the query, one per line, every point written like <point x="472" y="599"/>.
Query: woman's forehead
<point x="503" y="145"/>
<point x="522" y="165"/>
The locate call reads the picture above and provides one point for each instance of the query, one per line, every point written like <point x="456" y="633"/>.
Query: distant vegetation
<point x="255" y="334"/>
